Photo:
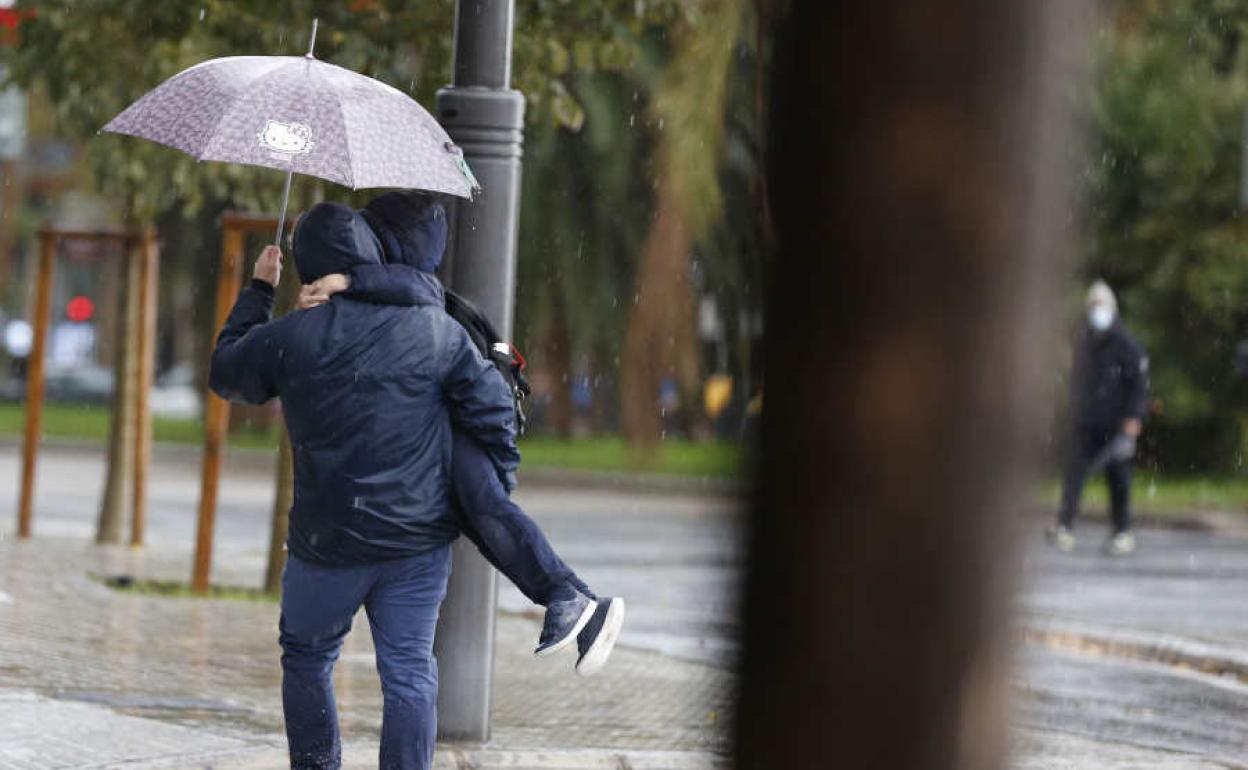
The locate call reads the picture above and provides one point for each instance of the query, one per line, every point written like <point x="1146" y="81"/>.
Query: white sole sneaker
<point x="1121" y="545"/>
<point x="571" y="637"/>
<point x="596" y="656"/>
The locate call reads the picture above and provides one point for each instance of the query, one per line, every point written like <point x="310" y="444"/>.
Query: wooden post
<point x="34" y="380"/>
<point x="216" y="413"/>
<point x="147" y="252"/>
<point x="283" y="497"/>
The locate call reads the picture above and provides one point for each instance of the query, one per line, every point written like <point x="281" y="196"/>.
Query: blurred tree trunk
<point x="557" y="357"/>
<point x="119" y="471"/>
<point x="11" y="196"/>
<point x="602" y="392"/>
<point x="661" y="337"/>
<point x="661" y="340"/>
<point x="917" y="211"/>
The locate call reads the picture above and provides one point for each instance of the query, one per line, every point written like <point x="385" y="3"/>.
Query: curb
<point x="459" y="757"/>
<point x="1175" y="652"/>
<point x="584" y="759"/>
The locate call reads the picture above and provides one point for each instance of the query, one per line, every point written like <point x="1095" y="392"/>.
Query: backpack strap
<point x="493" y="348"/>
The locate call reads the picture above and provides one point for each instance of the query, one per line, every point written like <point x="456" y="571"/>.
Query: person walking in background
<point x="1108" y="401"/>
<point x="412" y="229"/>
<point x="368" y="392"/>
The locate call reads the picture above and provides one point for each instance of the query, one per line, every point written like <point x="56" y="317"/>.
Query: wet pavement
<point x="1186" y="583"/>
<point x="196" y="682"/>
<point x="1123" y="663"/>
<point x="1149" y="651"/>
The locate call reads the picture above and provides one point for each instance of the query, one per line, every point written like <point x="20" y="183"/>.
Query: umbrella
<point x="299" y="114"/>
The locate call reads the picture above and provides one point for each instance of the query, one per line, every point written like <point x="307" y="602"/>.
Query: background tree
<point x="1164" y="224"/>
<point x="633" y="109"/>
<point x="689" y="108"/>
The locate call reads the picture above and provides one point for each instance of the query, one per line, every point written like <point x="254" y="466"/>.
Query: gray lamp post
<point x="486" y="118"/>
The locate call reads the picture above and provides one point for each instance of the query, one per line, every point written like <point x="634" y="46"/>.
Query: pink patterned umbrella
<point x="298" y="114"/>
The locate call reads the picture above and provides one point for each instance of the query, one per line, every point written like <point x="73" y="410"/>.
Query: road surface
<point x="1116" y="661"/>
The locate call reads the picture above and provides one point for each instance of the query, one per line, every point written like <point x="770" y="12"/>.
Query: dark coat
<point x="1109" y="380"/>
<point x="412" y="229"/>
<point x="368" y="392"/>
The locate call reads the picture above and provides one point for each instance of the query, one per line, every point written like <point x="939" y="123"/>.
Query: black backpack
<point x="493" y="348"/>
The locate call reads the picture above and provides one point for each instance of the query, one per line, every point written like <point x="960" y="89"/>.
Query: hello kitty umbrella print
<point x="300" y="115"/>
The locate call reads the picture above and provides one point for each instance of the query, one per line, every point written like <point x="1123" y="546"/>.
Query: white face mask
<point x="1100" y="317"/>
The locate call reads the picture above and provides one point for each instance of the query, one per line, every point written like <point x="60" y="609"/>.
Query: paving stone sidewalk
<point x="90" y="677"/>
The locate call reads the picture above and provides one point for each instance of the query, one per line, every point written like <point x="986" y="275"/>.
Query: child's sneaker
<point x="564" y="620"/>
<point x="597" y="639"/>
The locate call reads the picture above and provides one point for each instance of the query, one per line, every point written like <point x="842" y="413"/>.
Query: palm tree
<point x="688" y="108"/>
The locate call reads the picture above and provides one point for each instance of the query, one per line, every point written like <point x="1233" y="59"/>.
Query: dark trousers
<point x="401" y="598"/>
<point x="502" y="531"/>
<point x="1085" y="445"/>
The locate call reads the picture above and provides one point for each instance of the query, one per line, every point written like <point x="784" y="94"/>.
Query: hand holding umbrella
<point x="269" y="265"/>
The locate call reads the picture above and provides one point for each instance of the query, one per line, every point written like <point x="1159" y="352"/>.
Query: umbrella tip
<point x="312" y="38"/>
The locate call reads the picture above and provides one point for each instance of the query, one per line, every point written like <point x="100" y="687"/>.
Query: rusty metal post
<point x="147" y="252"/>
<point x="35" y="380"/>
<point x="216" y="412"/>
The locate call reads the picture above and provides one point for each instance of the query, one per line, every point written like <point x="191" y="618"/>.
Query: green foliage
<point x="689" y="106"/>
<point x="586" y="208"/>
<point x="173" y="589"/>
<point x="1160" y="496"/>
<point x="603" y="84"/>
<point x="1168" y="117"/>
<point x="608" y="453"/>
<point x="90" y="423"/>
<point x="94" y="57"/>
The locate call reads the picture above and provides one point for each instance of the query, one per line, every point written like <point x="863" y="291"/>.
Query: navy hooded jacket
<point x="368" y="392"/>
<point x="1109" y="380"/>
<point x="412" y="229"/>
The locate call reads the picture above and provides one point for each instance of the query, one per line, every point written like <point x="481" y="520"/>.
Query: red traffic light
<point x="10" y="20"/>
<point x="80" y="309"/>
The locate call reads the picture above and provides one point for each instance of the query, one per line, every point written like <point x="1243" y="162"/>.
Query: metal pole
<point x="35" y="381"/>
<point x="281" y="218"/>
<point x="485" y="118"/>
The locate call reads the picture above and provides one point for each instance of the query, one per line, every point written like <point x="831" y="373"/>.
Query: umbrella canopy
<point x="301" y="115"/>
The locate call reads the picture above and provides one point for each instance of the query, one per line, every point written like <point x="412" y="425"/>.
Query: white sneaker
<point x="1121" y="544"/>
<point x="1062" y="538"/>
<point x="597" y="639"/>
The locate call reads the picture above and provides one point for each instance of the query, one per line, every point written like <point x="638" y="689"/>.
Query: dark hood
<point x="333" y="238"/>
<point x="411" y="227"/>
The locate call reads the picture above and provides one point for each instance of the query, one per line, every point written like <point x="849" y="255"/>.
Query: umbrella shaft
<point x="281" y="218"/>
